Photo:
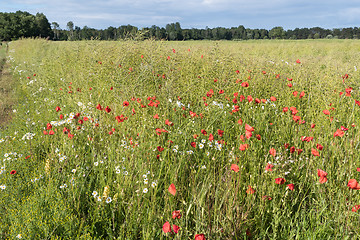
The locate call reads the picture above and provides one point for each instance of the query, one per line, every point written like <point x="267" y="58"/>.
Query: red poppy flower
<point x="249" y="128"/>
<point x="126" y="103"/>
<point x="66" y="131"/>
<point x="160" y="149"/>
<point x="295" y="93"/>
<point x="272" y="152"/>
<point x="322" y="174"/>
<point x="176" y="228"/>
<point x="344" y="128"/>
<point x="339" y="133"/>
<point x="280" y="180"/>
<point x="51" y="132"/>
<point x="320" y="147"/>
<point x="166" y="227"/>
<point x="285" y="109"/>
<point x="258" y="137"/>
<point x="242" y="138"/>
<point x="221" y="91"/>
<point x="156" y="116"/>
<point x="107" y="109"/>
<point x="48" y="126"/>
<point x="250" y="190"/>
<point x="306" y="139"/>
<point x="269" y="167"/>
<point x="293" y="110"/>
<point x="245" y="84"/>
<point x="273" y="99"/>
<point x="200" y="237"/>
<point x="314" y="152"/>
<point x="266" y="198"/>
<point x="240" y="121"/>
<point x="192" y="114"/>
<point x="243" y="147"/>
<point x="302" y="94"/>
<point x="358" y="169"/>
<point x="211" y="137"/>
<point x="353" y="184"/>
<point x="249" y="98"/>
<point x="235" y="168"/>
<point x="172" y="189"/>
<point x="248" y="134"/>
<point x="290" y="186"/>
<point x="57" y="109"/>
<point x="326" y="112"/>
<point x="193" y="144"/>
<point x="210" y="93"/>
<point x="203" y="132"/>
<point x="296" y="118"/>
<point x="220" y="133"/>
<point x="159" y="131"/>
<point x="289" y="85"/>
<point x="292" y="149"/>
<point x="176" y="214"/>
<point x="355" y="208"/>
<point x="167" y="122"/>
<point x="99" y="107"/>
<point x="12" y="172"/>
<point x="298" y="61"/>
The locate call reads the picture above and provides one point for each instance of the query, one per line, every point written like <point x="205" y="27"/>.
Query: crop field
<point x="181" y="140"/>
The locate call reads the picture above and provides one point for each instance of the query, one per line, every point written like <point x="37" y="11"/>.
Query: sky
<point x="101" y="14"/>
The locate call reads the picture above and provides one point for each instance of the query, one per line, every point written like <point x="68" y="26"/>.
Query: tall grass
<point x="102" y="129"/>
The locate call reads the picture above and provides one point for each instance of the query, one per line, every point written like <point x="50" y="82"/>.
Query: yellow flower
<point x="106" y="192"/>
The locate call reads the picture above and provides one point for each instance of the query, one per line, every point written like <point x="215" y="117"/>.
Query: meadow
<point x="182" y="140"/>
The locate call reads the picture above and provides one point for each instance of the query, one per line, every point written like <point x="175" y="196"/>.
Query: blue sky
<point x="267" y="14"/>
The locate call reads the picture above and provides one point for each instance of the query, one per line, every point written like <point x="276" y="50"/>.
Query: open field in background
<point x="171" y="140"/>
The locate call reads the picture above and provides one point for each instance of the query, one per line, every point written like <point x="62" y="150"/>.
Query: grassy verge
<point x="6" y="98"/>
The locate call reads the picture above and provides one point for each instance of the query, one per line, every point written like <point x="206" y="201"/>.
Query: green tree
<point x="70" y="27"/>
<point x="277" y="33"/>
<point x="56" y="28"/>
<point x="43" y="26"/>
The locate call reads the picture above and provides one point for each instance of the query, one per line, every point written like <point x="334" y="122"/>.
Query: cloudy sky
<point x="266" y="14"/>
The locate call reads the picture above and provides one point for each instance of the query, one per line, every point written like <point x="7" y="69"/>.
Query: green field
<point x="170" y="140"/>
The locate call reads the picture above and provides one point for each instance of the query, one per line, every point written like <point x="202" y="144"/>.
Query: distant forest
<point x="23" y="24"/>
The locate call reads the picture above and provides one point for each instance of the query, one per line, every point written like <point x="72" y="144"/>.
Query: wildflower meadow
<point x="181" y="140"/>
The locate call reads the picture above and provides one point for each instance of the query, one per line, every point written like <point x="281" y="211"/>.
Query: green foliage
<point x="23" y="24"/>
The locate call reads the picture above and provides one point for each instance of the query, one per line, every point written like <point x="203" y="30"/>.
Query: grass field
<point x="6" y="83"/>
<point x="182" y="140"/>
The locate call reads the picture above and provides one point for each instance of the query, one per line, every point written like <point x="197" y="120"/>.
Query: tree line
<point x="23" y="24"/>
